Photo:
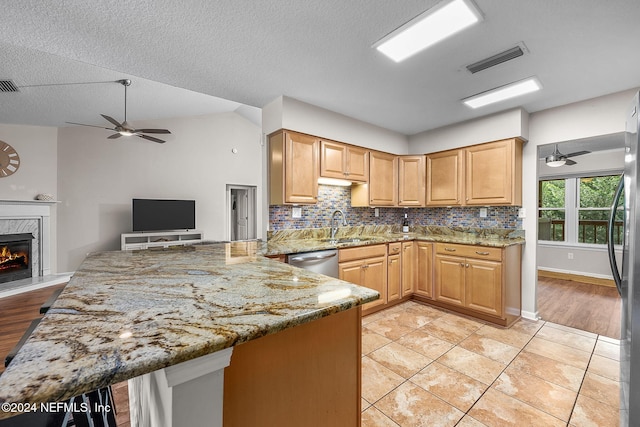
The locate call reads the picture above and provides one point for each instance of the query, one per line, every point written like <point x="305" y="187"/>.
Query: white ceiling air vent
<point x="8" y="86"/>
<point x="496" y="59"/>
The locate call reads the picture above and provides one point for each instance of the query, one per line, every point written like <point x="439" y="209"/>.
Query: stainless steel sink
<point x="344" y="240"/>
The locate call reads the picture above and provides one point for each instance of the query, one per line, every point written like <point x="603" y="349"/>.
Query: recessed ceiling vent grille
<point x="494" y="60"/>
<point x="8" y="86"/>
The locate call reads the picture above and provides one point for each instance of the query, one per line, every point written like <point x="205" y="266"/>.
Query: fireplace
<point x="15" y="256"/>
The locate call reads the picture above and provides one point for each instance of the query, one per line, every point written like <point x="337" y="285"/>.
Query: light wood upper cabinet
<point x="445" y="178"/>
<point x="494" y="173"/>
<point x="343" y="161"/>
<point x="293" y="168"/>
<point x="411" y="180"/>
<point x="382" y="189"/>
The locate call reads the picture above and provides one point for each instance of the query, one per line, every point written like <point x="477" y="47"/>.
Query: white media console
<point x="163" y="239"/>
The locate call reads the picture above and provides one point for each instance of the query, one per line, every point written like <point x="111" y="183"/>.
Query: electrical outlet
<point x="522" y="213"/>
<point x="296" y="213"/>
<point x="483" y="212"/>
<point x="570" y="255"/>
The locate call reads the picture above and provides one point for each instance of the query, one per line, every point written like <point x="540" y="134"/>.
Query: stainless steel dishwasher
<point x="323" y="262"/>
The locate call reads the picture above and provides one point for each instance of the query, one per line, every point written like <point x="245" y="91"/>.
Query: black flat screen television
<point x="163" y="215"/>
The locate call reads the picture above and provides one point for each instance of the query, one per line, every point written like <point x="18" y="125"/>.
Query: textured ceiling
<point x="251" y="52"/>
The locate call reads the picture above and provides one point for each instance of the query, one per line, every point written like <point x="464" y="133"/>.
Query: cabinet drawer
<point x="361" y="252"/>
<point x="395" y="248"/>
<point x="478" y="252"/>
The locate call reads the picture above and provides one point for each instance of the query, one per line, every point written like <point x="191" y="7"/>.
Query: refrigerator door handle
<point x="610" y="226"/>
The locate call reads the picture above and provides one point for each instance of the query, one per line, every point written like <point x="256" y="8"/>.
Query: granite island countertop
<point x="127" y="313"/>
<point x="317" y="239"/>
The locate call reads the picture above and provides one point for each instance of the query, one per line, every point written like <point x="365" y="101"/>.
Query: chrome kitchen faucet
<point x="334" y="229"/>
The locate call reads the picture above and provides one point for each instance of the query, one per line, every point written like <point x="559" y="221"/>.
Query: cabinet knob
<point x="467" y="265"/>
<point x="462" y="264"/>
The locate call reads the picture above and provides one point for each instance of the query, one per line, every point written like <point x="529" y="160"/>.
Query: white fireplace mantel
<point x="33" y="209"/>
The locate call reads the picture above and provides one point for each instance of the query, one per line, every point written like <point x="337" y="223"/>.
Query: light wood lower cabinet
<point x="424" y="269"/>
<point x="409" y="261"/>
<point x="395" y="271"/>
<point x="480" y="281"/>
<point x="366" y="266"/>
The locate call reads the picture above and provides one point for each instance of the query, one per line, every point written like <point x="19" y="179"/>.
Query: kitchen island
<point x="177" y="315"/>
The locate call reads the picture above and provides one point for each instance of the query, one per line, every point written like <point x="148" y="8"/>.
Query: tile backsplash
<point x="331" y="198"/>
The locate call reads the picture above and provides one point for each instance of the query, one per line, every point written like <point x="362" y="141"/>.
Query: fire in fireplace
<point x="15" y="256"/>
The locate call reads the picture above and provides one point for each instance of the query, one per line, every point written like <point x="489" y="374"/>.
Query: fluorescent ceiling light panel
<point x="428" y="28"/>
<point x="502" y="93"/>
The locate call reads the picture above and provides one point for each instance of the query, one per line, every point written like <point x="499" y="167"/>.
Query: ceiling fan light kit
<point x="125" y="128"/>
<point x="557" y="159"/>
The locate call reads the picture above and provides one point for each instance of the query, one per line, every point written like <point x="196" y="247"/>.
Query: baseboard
<point x="600" y="281"/>
<point x="530" y="315"/>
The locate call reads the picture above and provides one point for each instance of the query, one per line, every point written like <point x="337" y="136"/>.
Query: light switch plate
<point x="296" y="213"/>
<point x="376" y="212"/>
<point x="483" y="212"/>
<point x="522" y="213"/>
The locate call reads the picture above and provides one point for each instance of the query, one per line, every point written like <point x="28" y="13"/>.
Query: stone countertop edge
<point x="283" y="247"/>
<point x="127" y="313"/>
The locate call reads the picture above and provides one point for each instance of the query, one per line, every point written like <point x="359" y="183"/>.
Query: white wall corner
<point x="307" y="118"/>
<point x="272" y="116"/>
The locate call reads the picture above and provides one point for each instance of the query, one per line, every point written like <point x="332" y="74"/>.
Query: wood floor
<point x="579" y="305"/>
<point x="17" y="312"/>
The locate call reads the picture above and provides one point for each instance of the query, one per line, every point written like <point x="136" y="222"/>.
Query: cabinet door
<point x="484" y="286"/>
<point x="409" y="260"/>
<point x="491" y="176"/>
<point x="450" y="286"/>
<point x="445" y="178"/>
<point x="394" y="277"/>
<point x="383" y="179"/>
<point x="375" y="277"/>
<point x="411" y="180"/>
<point x="333" y="159"/>
<point x="424" y="276"/>
<point x="357" y="164"/>
<point x="301" y="168"/>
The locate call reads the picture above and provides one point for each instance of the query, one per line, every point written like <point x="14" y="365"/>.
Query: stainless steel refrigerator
<point x="628" y="281"/>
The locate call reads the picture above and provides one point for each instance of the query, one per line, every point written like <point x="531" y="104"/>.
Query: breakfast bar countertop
<point x="127" y="313"/>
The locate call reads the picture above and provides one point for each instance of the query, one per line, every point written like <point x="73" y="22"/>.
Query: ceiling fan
<point x="557" y="159"/>
<point x="125" y="128"/>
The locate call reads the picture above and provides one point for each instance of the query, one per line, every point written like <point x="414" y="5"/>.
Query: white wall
<point x="289" y="113"/>
<point x="37" y="147"/>
<point x="503" y="125"/>
<point x="97" y="178"/>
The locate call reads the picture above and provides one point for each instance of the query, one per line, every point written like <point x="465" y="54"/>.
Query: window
<point x="576" y="210"/>
<point x="551" y="222"/>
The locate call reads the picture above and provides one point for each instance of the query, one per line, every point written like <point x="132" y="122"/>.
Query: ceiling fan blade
<point x="82" y="124"/>
<point x="152" y="131"/>
<point x="114" y="136"/>
<point x="150" y="138"/>
<point x="570" y="162"/>
<point x="577" y="153"/>
<point x="111" y="120"/>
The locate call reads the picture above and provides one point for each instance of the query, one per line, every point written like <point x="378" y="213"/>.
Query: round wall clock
<point x="9" y="160"/>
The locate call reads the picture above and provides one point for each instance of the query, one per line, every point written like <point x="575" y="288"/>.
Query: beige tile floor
<point x="426" y="367"/>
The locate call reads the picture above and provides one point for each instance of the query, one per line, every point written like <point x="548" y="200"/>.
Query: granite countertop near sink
<point x="317" y="239"/>
<point x="127" y="313"/>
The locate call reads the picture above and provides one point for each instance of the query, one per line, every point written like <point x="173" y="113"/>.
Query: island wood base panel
<point x="308" y="375"/>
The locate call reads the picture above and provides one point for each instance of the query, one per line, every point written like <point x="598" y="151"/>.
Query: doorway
<point x="574" y="285"/>
<point x="241" y="208"/>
